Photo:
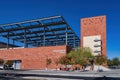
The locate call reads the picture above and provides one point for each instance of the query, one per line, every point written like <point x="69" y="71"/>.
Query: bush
<point x="1" y="61"/>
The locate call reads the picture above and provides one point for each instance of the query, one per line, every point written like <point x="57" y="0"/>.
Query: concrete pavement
<point x="60" y="75"/>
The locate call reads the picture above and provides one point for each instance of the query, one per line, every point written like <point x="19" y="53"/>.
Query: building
<point x="30" y="43"/>
<point x="93" y="34"/>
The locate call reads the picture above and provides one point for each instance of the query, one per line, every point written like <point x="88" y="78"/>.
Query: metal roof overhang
<point x="41" y="32"/>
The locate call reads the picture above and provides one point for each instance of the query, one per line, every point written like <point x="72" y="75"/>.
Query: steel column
<point x="25" y="44"/>
<point x="13" y="43"/>
<point x="66" y="36"/>
<point x="8" y="40"/>
<point x="44" y="37"/>
<point x="74" y="42"/>
<point x="56" y="41"/>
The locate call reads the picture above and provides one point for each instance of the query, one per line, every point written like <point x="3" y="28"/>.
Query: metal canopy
<point x="50" y="31"/>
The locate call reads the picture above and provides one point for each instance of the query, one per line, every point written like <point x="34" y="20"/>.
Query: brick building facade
<point x="35" y="58"/>
<point x="93" y="35"/>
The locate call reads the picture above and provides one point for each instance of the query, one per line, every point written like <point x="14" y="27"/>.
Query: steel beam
<point x="31" y="27"/>
<point x="29" y="21"/>
<point x="43" y="32"/>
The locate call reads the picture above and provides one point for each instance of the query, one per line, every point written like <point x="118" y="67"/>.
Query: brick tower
<point x="93" y="34"/>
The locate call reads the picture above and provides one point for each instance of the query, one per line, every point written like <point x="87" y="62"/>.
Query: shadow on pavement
<point x="83" y="78"/>
<point x="106" y="78"/>
<point x="16" y="76"/>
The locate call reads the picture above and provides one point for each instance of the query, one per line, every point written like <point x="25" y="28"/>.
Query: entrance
<point x="16" y="64"/>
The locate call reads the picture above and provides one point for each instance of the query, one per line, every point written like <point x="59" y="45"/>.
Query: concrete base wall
<point x="34" y="58"/>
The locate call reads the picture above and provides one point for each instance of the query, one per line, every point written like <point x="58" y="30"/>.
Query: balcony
<point x="96" y="45"/>
<point x="96" y="40"/>
<point x="96" y="51"/>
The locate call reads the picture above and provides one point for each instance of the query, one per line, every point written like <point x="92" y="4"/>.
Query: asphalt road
<point x="58" y="75"/>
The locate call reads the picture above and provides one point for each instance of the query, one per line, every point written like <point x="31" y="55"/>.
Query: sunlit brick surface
<point x="34" y="58"/>
<point x="94" y="26"/>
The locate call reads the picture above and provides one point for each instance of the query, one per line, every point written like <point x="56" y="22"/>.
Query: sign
<point x="59" y="51"/>
<point x="94" y="20"/>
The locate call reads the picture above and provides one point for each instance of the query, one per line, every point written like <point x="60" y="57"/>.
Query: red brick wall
<point x="34" y="58"/>
<point x="94" y="26"/>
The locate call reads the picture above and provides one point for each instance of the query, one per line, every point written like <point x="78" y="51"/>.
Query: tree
<point x="116" y="61"/>
<point x="48" y="62"/>
<point x="81" y="56"/>
<point x="100" y="60"/>
<point x="113" y="62"/>
<point x="65" y="60"/>
<point x="1" y="61"/>
<point x="9" y="63"/>
<point x="110" y="62"/>
<point x="56" y="62"/>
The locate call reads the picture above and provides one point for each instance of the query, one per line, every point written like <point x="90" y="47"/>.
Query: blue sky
<point x="72" y="11"/>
